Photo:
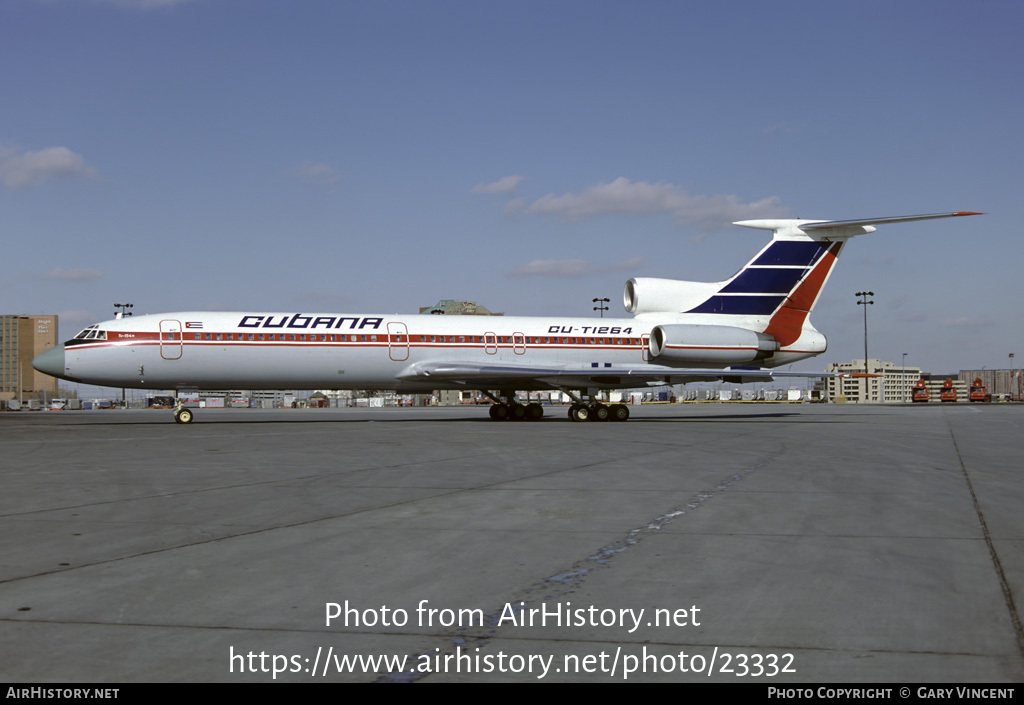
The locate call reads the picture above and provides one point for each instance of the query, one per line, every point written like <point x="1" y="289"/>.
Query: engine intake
<point x="649" y="295"/>
<point x="719" y="345"/>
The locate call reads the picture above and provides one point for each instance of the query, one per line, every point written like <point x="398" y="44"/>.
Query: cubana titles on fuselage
<point x="681" y="331"/>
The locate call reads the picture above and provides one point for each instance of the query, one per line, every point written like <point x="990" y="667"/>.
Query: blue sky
<point x="320" y="155"/>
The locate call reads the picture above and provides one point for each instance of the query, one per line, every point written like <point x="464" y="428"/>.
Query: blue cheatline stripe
<point x="790" y="252"/>
<point x="764" y="281"/>
<point x="740" y="305"/>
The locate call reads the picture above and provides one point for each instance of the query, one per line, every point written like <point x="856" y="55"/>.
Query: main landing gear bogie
<point x="599" y="412"/>
<point x="516" y="412"/>
<point x="581" y="410"/>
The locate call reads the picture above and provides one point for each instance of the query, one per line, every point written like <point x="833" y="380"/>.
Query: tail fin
<point x="780" y="284"/>
<point x="788" y="275"/>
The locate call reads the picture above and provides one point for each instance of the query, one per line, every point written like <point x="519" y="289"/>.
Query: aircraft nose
<point x="51" y="362"/>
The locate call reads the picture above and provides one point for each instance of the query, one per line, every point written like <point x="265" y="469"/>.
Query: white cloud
<point x="21" y="169"/>
<point x="506" y="184"/>
<point x="321" y="172"/>
<point x="79" y="274"/>
<point x="572" y="268"/>
<point x="623" y="196"/>
<point x="553" y="268"/>
<point x="515" y="206"/>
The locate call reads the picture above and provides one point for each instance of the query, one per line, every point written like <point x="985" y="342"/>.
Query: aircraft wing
<point x="533" y="377"/>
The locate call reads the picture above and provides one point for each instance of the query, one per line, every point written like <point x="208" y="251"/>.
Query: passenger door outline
<point x="170" y="339"/>
<point x="398" y="341"/>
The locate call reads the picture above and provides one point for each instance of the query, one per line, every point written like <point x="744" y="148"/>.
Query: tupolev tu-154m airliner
<point x="735" y="330"/>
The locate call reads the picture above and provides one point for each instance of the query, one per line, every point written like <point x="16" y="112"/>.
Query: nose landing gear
<point x="182" y="415"/>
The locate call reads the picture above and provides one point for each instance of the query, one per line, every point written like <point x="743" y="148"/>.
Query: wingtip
<point x="968" y="213"/>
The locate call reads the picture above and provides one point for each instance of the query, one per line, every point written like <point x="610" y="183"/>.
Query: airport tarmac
<point x="768" y="543"/>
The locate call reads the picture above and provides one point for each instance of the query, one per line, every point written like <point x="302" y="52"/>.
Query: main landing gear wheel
<point x="599" y="412"/>
<point x="516" y="412"/>
<point x="183" y="415"/>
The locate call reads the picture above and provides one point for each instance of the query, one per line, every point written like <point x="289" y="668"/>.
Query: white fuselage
<point x="202" y="350"/>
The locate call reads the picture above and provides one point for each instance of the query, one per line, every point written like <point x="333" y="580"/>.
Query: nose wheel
<point x="183" y="415"/>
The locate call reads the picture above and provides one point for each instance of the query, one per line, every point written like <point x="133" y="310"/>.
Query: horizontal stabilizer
<point x="797" y="224"/>
<point x="825" y="225"/>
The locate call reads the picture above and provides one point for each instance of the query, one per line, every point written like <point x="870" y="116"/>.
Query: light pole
<point x="601" y="306"/>
<point x="903" y="378"/>
<point x="865" y="303"/>
<point x="1014" y="384"/>
<point x="120" y="311"/>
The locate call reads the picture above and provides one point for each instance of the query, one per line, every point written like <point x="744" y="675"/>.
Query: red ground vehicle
<point x="948" y="393"/>
<point x="920" y="391"/>
<point x="978" y="391"/>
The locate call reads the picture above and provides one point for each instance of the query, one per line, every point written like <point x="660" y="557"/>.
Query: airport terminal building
<point x="884" y="382"/>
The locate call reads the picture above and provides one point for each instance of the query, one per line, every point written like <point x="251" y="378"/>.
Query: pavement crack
<point x="997" y="564"/>
<point x="565" y="582"/>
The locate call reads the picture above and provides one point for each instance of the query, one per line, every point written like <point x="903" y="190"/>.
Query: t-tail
<point x="762" y="311"/>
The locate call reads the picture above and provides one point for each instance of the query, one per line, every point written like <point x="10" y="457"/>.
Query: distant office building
<point x="883" y="382"/>
<point x="21" y="339"/>
<point x="1000" y="383"/>
<point x="451" y="307"/>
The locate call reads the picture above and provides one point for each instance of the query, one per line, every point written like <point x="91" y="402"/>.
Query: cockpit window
<point x="92" y="333"/>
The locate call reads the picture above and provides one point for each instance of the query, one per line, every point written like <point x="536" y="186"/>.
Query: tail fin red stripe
<point x="788" y="322"/>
